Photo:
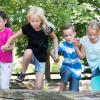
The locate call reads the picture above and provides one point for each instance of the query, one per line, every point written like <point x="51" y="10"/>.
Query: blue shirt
<point x="71" y="59"/>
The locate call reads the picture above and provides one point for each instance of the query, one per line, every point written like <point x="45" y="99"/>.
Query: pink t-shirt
<point x="4" y="36"/>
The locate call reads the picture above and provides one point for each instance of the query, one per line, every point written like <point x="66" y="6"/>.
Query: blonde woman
<point x="37" y="30"/>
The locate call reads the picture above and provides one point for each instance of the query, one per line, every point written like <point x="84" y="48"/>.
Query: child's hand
<point x="5" y="47"/>
<point x="57" y="60"/>
<point x="54" y="56"/>
<point x="77" y="41"/>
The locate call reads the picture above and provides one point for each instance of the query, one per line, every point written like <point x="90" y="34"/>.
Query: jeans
<point x="66" y="76"/>
<point x="96" y="72"/>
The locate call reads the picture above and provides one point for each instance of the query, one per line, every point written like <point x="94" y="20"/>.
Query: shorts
<point x="66" y="76"/>
<point x="96" y="72"/>
<point x="39" y="66"/>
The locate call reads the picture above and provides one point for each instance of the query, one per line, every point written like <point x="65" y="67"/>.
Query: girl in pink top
<point x="5" y="54"/>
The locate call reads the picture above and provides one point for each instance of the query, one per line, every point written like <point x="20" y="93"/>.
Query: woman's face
<point x="35" y="22"/>
<point x="93" y="35"/>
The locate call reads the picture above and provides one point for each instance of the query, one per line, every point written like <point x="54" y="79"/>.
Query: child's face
<point x="69" y="35"/>
<point x="35" y="22"/>
<point x="93" y="35"/>
<point x="2" y="23"/>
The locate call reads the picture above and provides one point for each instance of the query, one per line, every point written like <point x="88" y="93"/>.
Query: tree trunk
<point x="47" y="71"/>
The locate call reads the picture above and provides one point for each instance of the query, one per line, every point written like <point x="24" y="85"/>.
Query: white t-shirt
<point x="92" y="52"/>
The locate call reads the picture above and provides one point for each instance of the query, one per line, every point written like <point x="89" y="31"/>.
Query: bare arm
<point x="80" y="52"/>
<point x="12" y="39"/>
<point x="55" y="40"/>
<point x="9" y="44"/>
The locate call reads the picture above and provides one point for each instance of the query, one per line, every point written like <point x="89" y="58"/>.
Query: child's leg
<point x="40" y="70"/>
<point x="5" y="75"/>
<point x="27" y="57"/>
<point x="65" y="74"/>
<point x="26" y="60"/>
<point x="39" y="80"/>
<point x="62" y="86"/>
<point x="74" y="84"/>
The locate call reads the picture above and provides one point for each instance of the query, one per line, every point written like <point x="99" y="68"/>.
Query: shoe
<point x="20" y="78"/>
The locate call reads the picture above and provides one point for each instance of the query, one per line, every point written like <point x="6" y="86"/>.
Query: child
<point x="90" y="47"/>
<point x="37" y="30"/>
<point x="5" y="54"/>
<point x="70" y="70"/>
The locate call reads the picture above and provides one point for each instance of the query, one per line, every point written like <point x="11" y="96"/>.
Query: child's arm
<point x="53" y="57"/>
<point x="80" y="51"/>
<point x="7" y="48"/>
<point x="55" y="40"/>
<point x="12" y="39"/>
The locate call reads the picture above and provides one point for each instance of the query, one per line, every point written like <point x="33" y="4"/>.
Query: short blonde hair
<point x="35" y="10"/>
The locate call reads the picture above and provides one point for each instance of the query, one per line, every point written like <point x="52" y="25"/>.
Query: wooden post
<point x="47" y="71"/>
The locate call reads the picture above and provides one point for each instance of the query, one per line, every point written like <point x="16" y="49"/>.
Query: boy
<point x="70" y="70"/>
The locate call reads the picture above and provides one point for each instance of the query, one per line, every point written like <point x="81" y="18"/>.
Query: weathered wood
<point x="24" y="94"/>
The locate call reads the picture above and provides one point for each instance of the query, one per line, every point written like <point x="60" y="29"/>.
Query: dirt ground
<point x="52" y="85"/>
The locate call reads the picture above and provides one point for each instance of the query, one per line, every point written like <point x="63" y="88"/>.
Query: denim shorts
<point x="66" y="76"/>
<point x="96" y="72"/>
<point x="39" y="66"/>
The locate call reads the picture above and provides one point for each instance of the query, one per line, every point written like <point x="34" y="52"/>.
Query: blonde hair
<point x="35" y="10"/>
<point x="94" y="24"/>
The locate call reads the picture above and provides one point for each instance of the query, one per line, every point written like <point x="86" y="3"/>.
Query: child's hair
<point x="94" y="24"/>
<point x="67" y="26"/>
<point x="4" y="16"/>
<point x="34" y="10"/>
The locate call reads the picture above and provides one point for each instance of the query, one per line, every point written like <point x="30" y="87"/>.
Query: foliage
<point x="57" y="11"/>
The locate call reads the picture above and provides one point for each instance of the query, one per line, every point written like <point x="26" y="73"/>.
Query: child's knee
<point x="28" y="53"/>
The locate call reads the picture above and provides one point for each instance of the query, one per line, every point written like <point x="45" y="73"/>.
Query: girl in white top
<point x="90" y="47"/>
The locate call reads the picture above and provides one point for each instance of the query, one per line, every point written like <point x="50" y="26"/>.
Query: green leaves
<point x="57" y="11"/>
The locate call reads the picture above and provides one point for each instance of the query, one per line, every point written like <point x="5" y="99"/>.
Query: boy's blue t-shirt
<point x="71" y="60"/>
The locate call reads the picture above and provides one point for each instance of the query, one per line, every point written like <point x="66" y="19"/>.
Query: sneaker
<point x="20" y="78"/>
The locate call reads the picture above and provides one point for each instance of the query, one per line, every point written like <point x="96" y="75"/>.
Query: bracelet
<point x="76" y="47"/>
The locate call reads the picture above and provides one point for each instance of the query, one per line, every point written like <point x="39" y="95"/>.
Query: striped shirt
<point x="71" y="60"/>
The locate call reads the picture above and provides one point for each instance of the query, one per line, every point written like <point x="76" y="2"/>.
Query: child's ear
<point x="5" y="21"/>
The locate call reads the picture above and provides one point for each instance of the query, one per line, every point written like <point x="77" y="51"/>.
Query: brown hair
<point x="4" y="16"/>
<point x="67" y="26"/>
